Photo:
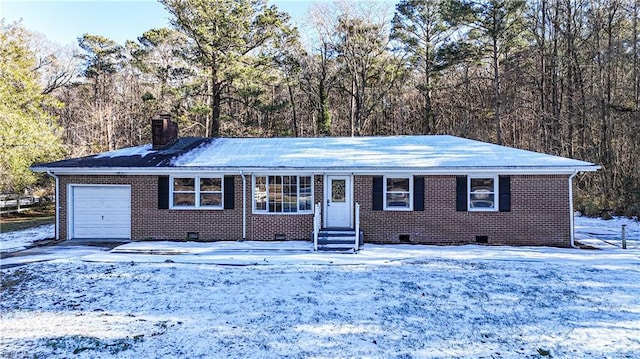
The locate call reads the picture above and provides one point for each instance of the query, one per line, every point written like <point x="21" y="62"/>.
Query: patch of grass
<point x="544" y="352"/>
<point x="78" y="344"/>
<point x="32" y="218"/>
<point x="9" y="282"/>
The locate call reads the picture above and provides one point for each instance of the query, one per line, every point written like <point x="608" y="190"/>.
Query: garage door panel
<point x="101" y="212"/>
<point x="81" y="204"/>
<point x="125" y="220"/>
<point x="120" y="233"/>
<point x="114" y="204"/>
<point x="116" y="221"/>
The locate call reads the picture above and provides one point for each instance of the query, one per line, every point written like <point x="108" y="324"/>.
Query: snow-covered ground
<point x="273" y="300"/>
<point x="602" y="234"/>
<point x="19" y="240"/>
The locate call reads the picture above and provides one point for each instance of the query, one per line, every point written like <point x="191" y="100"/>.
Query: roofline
<point x="114" y="171"/>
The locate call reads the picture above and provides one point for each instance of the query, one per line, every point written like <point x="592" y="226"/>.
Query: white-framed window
<point x="203" y="192"/>
<point x="482" y="193"/>
<point x="282" y="194"/>
<point x="398" y="193"/>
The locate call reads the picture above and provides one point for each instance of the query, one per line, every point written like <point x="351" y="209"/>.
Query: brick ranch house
<point x="397" y="189"/>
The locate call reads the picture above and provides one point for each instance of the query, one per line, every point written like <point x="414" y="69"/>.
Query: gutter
<point x="57" y="202"/>
<point x="571" y="216"/>
<point x="537" y="170"/>
<point x="244" y="205"/>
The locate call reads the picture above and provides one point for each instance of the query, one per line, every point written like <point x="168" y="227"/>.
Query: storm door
<point x="338" y="202"/>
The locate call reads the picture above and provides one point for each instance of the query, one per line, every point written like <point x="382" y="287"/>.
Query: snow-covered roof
<point x="439" y="153"/>
<point x="141" y="151"/>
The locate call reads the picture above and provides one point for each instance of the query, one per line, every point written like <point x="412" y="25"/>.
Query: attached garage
<point x="100" y="212"/>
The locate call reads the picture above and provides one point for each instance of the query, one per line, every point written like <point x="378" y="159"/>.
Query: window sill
<point x="283" y="213"/>
<point x="197" y="208"/>
<point x="482" y="210"/>
<point x="398" y="209"/>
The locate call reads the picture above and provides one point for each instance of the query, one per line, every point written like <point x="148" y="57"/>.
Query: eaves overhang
<point x="129" y="171"/>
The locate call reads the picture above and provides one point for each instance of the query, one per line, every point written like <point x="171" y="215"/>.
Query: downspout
<point x="571" y="216"/>
<point x="244" y="205"/>
<point x="57" y="202"/>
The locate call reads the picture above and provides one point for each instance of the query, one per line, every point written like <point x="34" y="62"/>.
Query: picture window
<point x="283" y="194"/>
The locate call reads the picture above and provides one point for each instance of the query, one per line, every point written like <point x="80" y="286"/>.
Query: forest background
<point x="555" y="76"/>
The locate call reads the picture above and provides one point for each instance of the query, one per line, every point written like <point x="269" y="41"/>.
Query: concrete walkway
<point x="47" y="251"/>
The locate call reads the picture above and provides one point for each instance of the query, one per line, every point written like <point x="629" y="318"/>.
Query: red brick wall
<point x="539" y="214"/>
<point x="149" y="222"/>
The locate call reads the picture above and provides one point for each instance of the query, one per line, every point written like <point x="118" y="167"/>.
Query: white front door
<point x="338" y="201"/>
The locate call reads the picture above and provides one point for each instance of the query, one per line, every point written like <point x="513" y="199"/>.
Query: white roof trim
<point x="362" y="171"/>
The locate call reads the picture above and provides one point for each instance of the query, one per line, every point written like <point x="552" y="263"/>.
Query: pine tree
<point x="226" y="42"/>
<point x="28" y="133"/>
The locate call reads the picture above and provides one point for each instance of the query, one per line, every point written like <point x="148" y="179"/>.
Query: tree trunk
<point x="570" y="80"/>
<point x="496" y="92"/>
<point x="296" y="132"/>
<point x="353" y="108"/>
<point x="428" y="107"/>
<point x="216" y="96"/>
<point x="110" y="136"/>
<point x="323" y="122"/>
<point x="636" y="63"/>
<point x="554" y="144"/>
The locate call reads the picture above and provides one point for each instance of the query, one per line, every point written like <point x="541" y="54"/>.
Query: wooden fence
<point x="14" y="203"/>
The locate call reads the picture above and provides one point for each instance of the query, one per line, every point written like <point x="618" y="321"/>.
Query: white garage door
<point x="101" y="212"/>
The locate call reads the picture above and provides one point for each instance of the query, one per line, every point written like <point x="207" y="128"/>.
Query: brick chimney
<point x="164" y="132"/>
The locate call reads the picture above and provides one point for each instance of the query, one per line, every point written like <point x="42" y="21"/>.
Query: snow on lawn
<point x="429" y="308"/>
<point x="275" y="301"/>
<point x="19" y="240"/>
<point x="602" y="234"/>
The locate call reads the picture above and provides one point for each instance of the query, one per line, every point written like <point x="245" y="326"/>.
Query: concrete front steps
<point x="338" y="239"/>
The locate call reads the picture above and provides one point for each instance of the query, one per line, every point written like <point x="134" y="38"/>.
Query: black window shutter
<point x="418" y="193"/>
<point x="378" y="192"/>
<point x="461" y="193"/>
<point x="163" y="192"/>
<point x="229" y="187"/>
<point x="504" y="190"/>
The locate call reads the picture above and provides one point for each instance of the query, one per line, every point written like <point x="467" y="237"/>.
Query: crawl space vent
<point x="482" y="239"/>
